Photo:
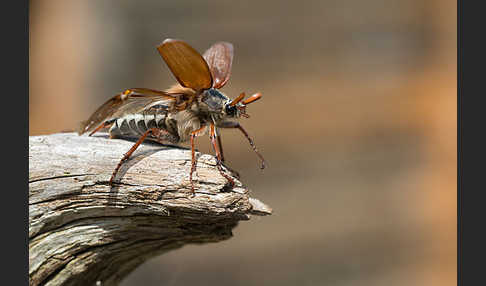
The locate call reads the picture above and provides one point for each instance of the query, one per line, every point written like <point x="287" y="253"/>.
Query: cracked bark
<point x="81" y="230"/>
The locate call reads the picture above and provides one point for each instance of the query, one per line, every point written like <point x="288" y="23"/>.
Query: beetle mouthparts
<point x="242" y="109"/>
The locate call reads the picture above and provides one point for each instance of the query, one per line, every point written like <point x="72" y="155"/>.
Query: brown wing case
<point x="130" y="101"/>
<point x="219" y="58"/>
<point x="188" y="66"/>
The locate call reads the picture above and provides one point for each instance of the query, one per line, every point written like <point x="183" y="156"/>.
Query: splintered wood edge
<point x="259" y="208"/>
<point x="80" y="227"/>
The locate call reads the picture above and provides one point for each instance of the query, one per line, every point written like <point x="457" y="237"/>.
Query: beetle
<point x="190" y="108"/>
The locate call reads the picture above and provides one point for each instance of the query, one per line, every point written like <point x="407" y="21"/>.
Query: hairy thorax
<point x="186" y="121"/>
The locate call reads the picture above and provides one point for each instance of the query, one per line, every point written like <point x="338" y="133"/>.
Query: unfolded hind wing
<point x="133" y="101"/>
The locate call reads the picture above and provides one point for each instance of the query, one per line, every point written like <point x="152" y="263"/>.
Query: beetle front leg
<point x="212" y="136"/>
<point x="220" y="144"/>
<point x="234" y="124"/>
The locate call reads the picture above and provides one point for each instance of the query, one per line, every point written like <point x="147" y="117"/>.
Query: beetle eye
<point x="230" y="110"/>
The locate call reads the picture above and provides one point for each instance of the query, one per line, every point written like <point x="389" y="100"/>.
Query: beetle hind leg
<point x="154" y="131"/>
<point x="106" y="124"/>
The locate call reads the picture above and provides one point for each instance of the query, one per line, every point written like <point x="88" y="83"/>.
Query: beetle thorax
<point x="213" y="103"/>
<point x="215" y="100"/>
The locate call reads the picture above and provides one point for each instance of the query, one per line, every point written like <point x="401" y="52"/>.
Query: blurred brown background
<point x="357" y="123"/>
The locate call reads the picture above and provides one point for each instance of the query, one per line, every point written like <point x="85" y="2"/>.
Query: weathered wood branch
<point x="81" y="230"/>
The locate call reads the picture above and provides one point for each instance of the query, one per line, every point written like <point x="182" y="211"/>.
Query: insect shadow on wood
<point x="185" y="111"/>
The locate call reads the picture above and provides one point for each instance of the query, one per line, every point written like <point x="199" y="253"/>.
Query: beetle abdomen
<point x="135" y="125"/>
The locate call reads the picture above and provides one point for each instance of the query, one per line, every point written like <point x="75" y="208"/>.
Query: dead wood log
<point x="82" y="231"/>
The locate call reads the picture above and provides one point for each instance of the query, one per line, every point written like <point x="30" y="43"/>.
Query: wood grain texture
<point x="81" y="230"/>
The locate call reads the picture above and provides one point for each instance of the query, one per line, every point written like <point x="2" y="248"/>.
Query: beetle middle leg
<point x="194" y="134"/>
